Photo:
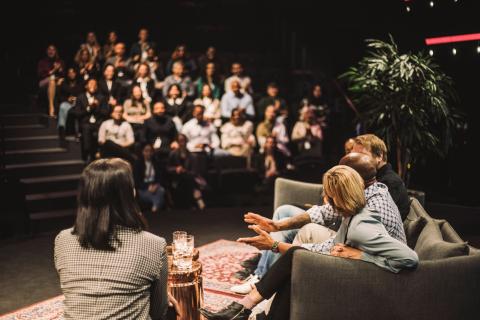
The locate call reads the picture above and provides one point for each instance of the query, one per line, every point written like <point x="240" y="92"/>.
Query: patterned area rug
<point x="220" y="259"/>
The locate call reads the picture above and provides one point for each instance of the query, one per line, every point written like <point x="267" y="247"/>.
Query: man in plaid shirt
<point x="315" y="228"/>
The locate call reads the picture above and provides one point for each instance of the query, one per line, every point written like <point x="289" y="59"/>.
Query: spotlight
<point x="454" y="51"/>
<point x="430" y="52"/>
<point x="478" y="49"/>
<point x="408" y="9"/>
<point x="432" y="4"/>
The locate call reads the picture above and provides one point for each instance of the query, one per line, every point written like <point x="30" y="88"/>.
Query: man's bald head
<point x="363" y="164"/>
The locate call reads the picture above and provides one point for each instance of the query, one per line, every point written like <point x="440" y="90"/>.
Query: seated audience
<point x="50" y="70"/>
<point x="70" y="89"/>
<point x="91" y="109"/>
<point x="235" y="98"/>
<point x="146" y="83"/>
<point x="156" y="68"/>
<point x="122" y="64"/>
<point x="138" y="51"/>
<point x="177" y="106"/>
<point x="178" y="77"/>
<point x="237" y="136"/>
<point x="109" y="87"/>
<point x="92" y="46"/>
<point x="317" y="100"/>
<point x="109" y="266"/>
<point x="160" y="130"/>
<point x="210" y="78"/>
<point x="148" y="179"/>
<point x="202" y="135"/>
<point x="376" y="148"/>
<point x="237" y="75"/>
<point x="136" y="111"/>
<point x="307" y="133"/>
<point x="86" y="64"/>
<point x="272" y="99"/>
<point x="273" y="126"/>
<point x="180" y="54"/>
<point x="213" y="113"/>
<point x="210" y="56"/>
<point x="361" y="236"/>
<point x="271" y="164"/>
<point x="116" y="137"/>
<point x="108" y="50"/>
<point x="186" y="179"/>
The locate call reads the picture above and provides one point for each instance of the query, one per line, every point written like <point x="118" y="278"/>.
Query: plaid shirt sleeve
<point x="323" y="247"/>
<point x="324" y="215"/>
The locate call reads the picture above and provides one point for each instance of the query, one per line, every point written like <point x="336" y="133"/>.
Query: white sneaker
<point x="247" y="286"/>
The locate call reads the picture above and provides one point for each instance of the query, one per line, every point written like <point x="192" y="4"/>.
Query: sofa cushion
<point x="413" y="227"/>
<point x="431" y="246"/>
<point x="448" y="233"/>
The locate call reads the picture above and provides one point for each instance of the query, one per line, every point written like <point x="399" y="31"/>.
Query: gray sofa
<point x="325" y="287"/>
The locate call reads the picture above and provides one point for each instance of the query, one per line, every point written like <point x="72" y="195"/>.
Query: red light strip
<point x="451" y="39"/>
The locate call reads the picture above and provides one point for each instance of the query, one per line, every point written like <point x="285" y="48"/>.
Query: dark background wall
<point x="277" y="39"/>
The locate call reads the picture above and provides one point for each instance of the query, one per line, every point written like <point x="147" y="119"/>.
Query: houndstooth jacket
<point x="128" y="283"/>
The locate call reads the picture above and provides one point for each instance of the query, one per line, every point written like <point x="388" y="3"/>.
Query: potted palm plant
<point x="405" y="99"/>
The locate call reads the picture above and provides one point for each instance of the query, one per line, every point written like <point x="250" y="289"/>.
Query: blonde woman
<point x="361" y="236"/>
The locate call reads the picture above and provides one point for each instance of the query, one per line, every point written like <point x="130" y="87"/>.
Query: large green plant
<point x="406" y="100"/>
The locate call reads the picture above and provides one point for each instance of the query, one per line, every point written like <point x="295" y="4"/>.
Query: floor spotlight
<point x="430" y="52"/>
<point x="432" y="4"/>
<point x="408" y="9"/>
<point x="454" y="51"/>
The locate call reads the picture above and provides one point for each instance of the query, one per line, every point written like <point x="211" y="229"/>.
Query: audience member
<point x="146" y="83"/>
<point x="273" y="126"/>
<point x="92" y="46"/>
<point x="272" y="99"/>
<point x="70" y="89"/>
<point x="122" y="64"/>
<point x="116" y="137"/>
<point x="202" y="135"/>
<point x="213" y="113"/>
<point x="272" y="163"/>
<point x="361" y="236"/>
<point x="177" y="106"/>
<point x="148" y="180"/>
<point x="108" y="47"/>
<point x="91" y="109"/>
<point x="210" y="56"/>
<point x="136" y="111"/>
<point x="186" y="179"/>
<point x="160" y="130"/>
<point x="307" y="133"/>
<point x="178" y="77"/>
<point x="235" y="98"/>
<point x="237" y="75"/>
<point x="209" y="77"/>
<point x="156" y="67"/>
<point x="86" y="64"/>
<point x="237" y="136"/>
<point x="376" y="148"/>
<point x="109" y="235"/>
<point x="50" y="70"/>
<point x="138" y="52"/>
<point x="109" y="87"/>
<point x="317" y="100"/>
<point x="180" y="55"/>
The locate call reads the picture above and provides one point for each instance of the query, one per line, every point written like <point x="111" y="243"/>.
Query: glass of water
<point x="183" y="253"/>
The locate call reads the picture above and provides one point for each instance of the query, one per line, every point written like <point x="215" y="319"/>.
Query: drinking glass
<point x="183" y="253"/>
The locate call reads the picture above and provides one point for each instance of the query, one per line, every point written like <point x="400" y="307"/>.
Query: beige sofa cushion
<point x="431" y="246"/>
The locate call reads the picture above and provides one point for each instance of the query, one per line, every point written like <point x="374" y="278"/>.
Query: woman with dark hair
<point x="86" y="64"/>
<point x="144" y="80"/>
<point x="209" y="77"/>
<point x="112" y="40"/>
<point x="70" y="89"/>
<point x="177" y="106"/>
<point x="136" y="111"/>
<point x="109" y="267"/>
<point x="50" y="70"/>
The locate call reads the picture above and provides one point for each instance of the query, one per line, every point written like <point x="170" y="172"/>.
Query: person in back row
<point x="375" y="147"/>
<point x="321" y="221"/>
<point x="361" y="236"/>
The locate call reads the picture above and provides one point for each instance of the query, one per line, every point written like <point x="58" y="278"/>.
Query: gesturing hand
<point x="263" y="241"/>
<point x="344" y="251"/>
<point x="265" y="224"/>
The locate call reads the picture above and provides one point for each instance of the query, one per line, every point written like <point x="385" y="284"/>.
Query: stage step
<point x="52" y="214"/>
<point x="36" y="155"/>
<point x="51" y="201"/>
<point x="33" y="142"/>
<point x="51" y="183"/>
<point x="23" y="119"/>
<point x="45" y="169"/>
<point x="28" y="130"/>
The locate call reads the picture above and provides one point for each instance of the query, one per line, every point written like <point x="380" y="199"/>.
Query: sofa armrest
<point x="337" y="288"/>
